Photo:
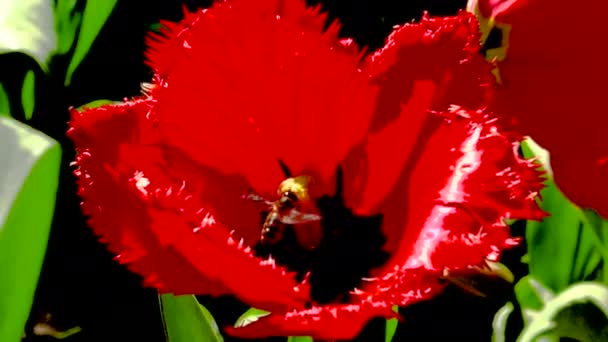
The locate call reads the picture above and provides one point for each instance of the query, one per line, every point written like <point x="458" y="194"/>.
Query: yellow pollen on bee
<point x="297" y="185"/>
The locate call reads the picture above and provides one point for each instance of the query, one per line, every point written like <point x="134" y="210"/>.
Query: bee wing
<point x="493" y="281"/>
<point x="295" y="217"/>
<point x="257" y="198"/>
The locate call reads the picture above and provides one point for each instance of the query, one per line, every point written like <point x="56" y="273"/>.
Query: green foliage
<point x="530" y="293"/>
<point x="561" y="249"/>
<point x="29" y="159"/>
<point x="597" y="227"/>
<point x="39" y="30"/>
<point x="499" y="324"/>
<point x="4" y="102"/>
<point x="90" y="21"/>
<point x="253" y="314"/>
<point x="67" y="22"/>
<point x="566" y="246"/>
<point x="24" y="90"/>
<point x="580" y="312"/>
<point x="186" y="320"/>
<point x="391" y="326"/>
<point x="96" y="103"/>
<point x="28" y="184"/>
<point x="249" y="317"/>
<point x="28" y="94"/>
<point x="299" y="339"/>
<point x="27" y="26"/>
<point x="564" y="250"/>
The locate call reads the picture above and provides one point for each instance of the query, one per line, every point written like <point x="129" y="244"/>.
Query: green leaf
<point x="598" y="234"/>
<point x="300" y="339"/>
<point x="4" y="102"/>
<point x="580" y="312"/>
<point x="28" y="184"/>
<point x="27" y="26"/>
<point x="598" y="227"/>
<point x="531" y="294"/>
<point x="28" y="94"/>
<point x="562" y="248"/>
<point x="94" y="17"/>
<point x="499" y="324"/>
<point x="67" y="21"/>
<point x="253" y="314"/>
<point x="97" y="103"/>
<point x="186" y="320"/>
<point x="391" y="326"/>
<point x="249" y="317"/>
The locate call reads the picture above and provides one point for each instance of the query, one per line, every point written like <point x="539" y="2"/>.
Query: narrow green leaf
<point x="300" y="339"/>
<point x="29" y="162"/>
<point x="5" y="107"/>
<point x="28" y="94"/>
<point x="499" y="324"/>
<point x="28" y="26"/>
<point x="97" y="103"/>
<point x="597" y="224"/>
<point x="391" y="326"/>
<point x="569" y="315"/>
<point x="187" y="321"/>
<point x="562" y="248"/>
<point x="67" y="21"/>
<point x="94" y="17"/>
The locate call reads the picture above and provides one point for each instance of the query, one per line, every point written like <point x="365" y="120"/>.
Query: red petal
<point x="441" y="50"/>
<point x="424" y="66"/>
<point x="248" y="83"/>
<point x="344" y="322"/>
<point x="385" y="165"/>
<point x="161" y="224"/>
<point x="448" y="208"/>
<point x="552" y="90"/>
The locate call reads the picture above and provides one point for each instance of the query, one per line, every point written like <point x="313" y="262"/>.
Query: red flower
<point x="553" y="87"/>
<point x="250" y="93"/>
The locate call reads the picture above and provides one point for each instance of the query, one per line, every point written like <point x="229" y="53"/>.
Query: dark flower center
<point x="349" y="247"/>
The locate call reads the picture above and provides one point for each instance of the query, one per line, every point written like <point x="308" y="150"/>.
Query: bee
<point x="289" y="210"/>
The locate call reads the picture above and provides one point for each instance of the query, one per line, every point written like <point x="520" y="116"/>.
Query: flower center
<point x="321" y="238"/>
